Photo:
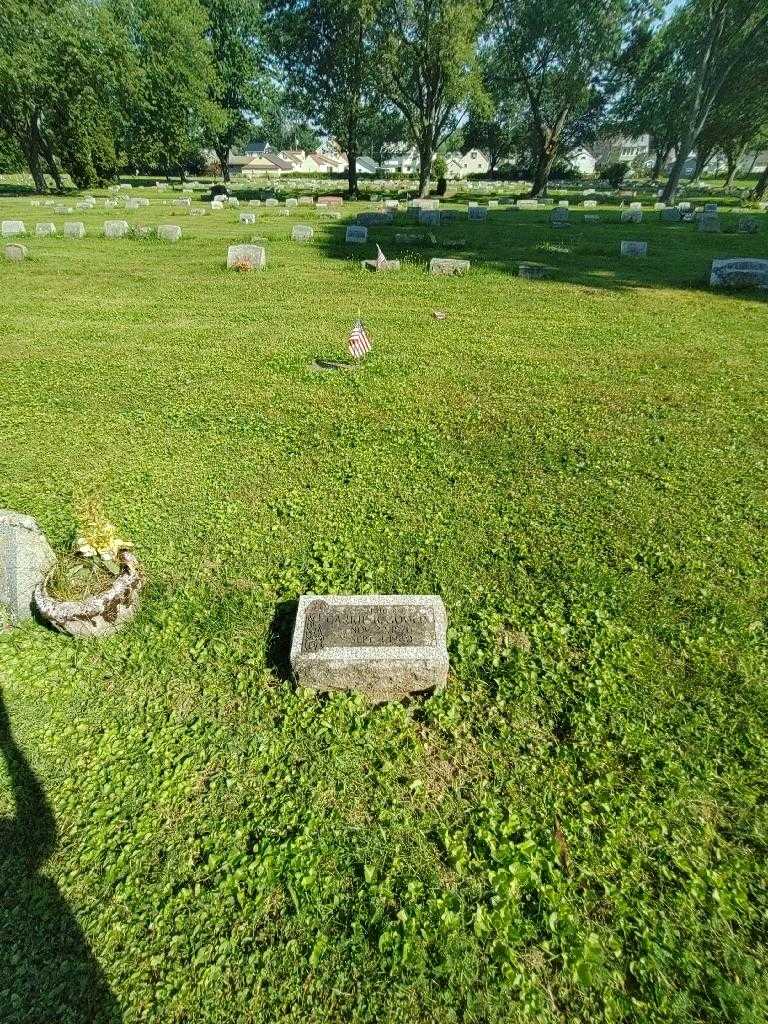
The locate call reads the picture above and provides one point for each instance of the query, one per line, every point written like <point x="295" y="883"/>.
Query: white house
<point x="617" y="148"/>
<point x="461" y="165"/>
<point x="401" y="161"/>
<point x="582" y="160"/>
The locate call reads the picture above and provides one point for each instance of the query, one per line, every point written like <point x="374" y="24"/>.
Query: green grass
<point x="575" y="830"/>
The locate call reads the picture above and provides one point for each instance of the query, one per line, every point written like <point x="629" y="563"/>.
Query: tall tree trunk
<point x="733" y="164"/>
<point x="702" y="159"/>
<point x="677" y="168"/>
<point x="45" y="148"/>
<point x="31" y="151"/>
<point x="762" y="185"/>
<point x="352" y="155"/>
<point x="425" y="166"/>
<point x="222" y="153"/>
<point x="545" y="159"/>
<point x="657" y="165"/>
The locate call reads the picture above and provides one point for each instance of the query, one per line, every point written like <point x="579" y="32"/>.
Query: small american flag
<point x="359" y="342"/>
<point x="381" y="259"/>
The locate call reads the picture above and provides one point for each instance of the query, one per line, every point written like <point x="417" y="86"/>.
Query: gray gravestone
<point x="380" y="646"/>
<point x="592" y="218"/>
<point x="74" y="229"/>
<point x="448" y="267"/>
<point x="709" y="222"/>
<point x="559" y="217"/>
<point x="749" y="226"/>
<point x="247" y="218"/>
<point x="739" y="273"/>
<point x="356" y="235"/>
<point x="373" y="220"/>
<point x="380" y="267"/>
<point x="429" y="216"/>
<point x="169" y="232"/>
<point x="45" y="228"/>
<point x="302" y="233"/>
<point x="253" y="254"/>
<point x="479" y="213"/>
<point x="15" y="252"/>
<point x="533" y="271"/>
<point x="671" y="215"/>
<point x="25" y="560"/>
<point x="8" y="228"/>
<point x="633" y="216"/>
<point x="634" y="248"/>
<point x="116" y="228"/>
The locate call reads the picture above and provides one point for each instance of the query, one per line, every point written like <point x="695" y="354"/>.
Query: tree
<point x="234" y="28"/>
<point x="281" y="126"/>
<point x="173" y="114"/>
<point x="60" y="91"/>
<point x="739" y="117"/>
<point x="498" y="129"/>
<point x="558" y="57"/>
<point x="710" y="40"/>
<point x="429" y="68"/>
<point x="325" y="48"/>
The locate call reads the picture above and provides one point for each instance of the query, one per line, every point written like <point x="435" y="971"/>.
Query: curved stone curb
<point x="100" y="615"/>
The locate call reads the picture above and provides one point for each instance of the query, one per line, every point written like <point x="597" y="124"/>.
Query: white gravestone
<point x="9" y="228"/>
<point x="247" y="218"/>
<point x="116" y="228"/>
<point x="45" y="228"/>
<point x="442" y="267"/>
<point x="74" y="229"/>
<point x="302" y="233"/>
<point x="255" y="255"/>
<point x="169" y="232"/>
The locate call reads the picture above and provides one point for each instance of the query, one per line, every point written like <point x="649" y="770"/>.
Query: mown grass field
<point x="576" y="829"/>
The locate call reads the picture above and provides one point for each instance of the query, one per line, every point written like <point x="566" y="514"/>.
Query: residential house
<point x="461" y="165"/>
<point x="618" y="149"/>
<point x="583" y="160"/>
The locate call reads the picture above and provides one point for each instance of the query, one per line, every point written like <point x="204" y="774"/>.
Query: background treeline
<point x="91" y="86"/>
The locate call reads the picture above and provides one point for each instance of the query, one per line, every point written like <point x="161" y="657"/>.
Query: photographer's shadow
<point x="48" y="973"/>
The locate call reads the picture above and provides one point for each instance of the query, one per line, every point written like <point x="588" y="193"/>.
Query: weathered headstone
<point x="356" y="235"/>
<point x="291" y="202"/>
<point x="592" y="218"/>
<point x="302" y="233"/>
<point x="380" y="266"/>
<point x="384" y="647"/>
<point x="533" y="271"/>
<point x="633" y="216"/>
<point x="25" y="560"/>
<point x="429" y="217"/>
<point x="527" y="204"/>
<point x="9" y="228"/>
<point x="739" y="273"/>
<point x="330" y="201"/>
<point x="709" y="222"/>
<point x="749" y="226"/>
<point x="169" y="232"/>
<point x="233" y="201"/>
<point x="671" y="215"/>
<point x="116" y="228"/>
<point x="133" y="204"/>
<point x="478" y="213"/>
<point x="372" y="220"/>
<point x="448" y="267"/>
<point x="15" y="252"/>
<point x="590" y="204"/>
<point x="240" y="255"/>
<point x="45" y="228"/>
<point x="271" y="202"/>
<point x="74" y="229"/>
<point x="634" y="248"/>
<point x="559" y="217"/>
<point x="493" y="204"/>
<point x="306" y="201"/>
<point x="247" y="218"/>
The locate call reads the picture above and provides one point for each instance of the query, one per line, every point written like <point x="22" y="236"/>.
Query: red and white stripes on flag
<point x="359" y="342"/>
<point x="381" y="259"/>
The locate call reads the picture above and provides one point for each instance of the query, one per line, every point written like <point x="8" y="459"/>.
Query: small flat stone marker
<point x="632" y="216"/>
<point x="479" y="213"/>
<point x="356" y="235"/>
<point x="8" y="228"/>
<point x="302" y="233"/>
<point x="256" y="255"/>
<point x="381" y="268"/>
<point x="247" y="218"/>
<point x="74" y="229"/>
<point x="447" y="267"/>
<point x="533" y="271"/>
<point x="45" y="228"/>
<point x="431" y="217"/>
<point x="169" y="232"/>
<point x="25" y="560"/>
<point x="634" y="248"/>
<point x="749" y="226"/>
<point x="671" y="215"/>
<point x="15" y="252"/>
<point x="384" y="647"/>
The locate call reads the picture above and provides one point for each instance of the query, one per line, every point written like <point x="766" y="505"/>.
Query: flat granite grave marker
<point x="709" y="222"/>
<point x="373" y="220"/>
<point x="9" y="228"/>
<point x="25" y="560"/>
<point x="739" y="273"/>
<point x="634" y="248"/>
<point x="533" y="271"/>
<point x="671" y="215"/>
<point x="356" y="235"/>
<point x="559" y="217"/>
<point x="247" y="218"/>
<point x="239" y="255"/>
<point x="749" y="226"/>
<point x="74" y="229"/>
<point x="447" y="267"/>
<point x="15" y="252"/>
<point x="633" y="216"/>
<point x="45" y="228"/>
<point x="384" y="647"/>
<point x="169" y="232"/>
<point x="429" y="217"/>
<point x="302" y="233"/>
<point x="479" y="213"/>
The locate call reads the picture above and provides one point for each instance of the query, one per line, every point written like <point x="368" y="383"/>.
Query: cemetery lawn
<point x="575" y="830"/>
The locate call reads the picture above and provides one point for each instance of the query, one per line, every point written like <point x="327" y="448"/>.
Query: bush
<point x="614" y="173"/>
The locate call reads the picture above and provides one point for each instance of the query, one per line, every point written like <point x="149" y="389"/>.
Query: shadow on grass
<point x="581" y="253"/>
<point x="278" y="653"/>
<point x="47" y="970"/>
